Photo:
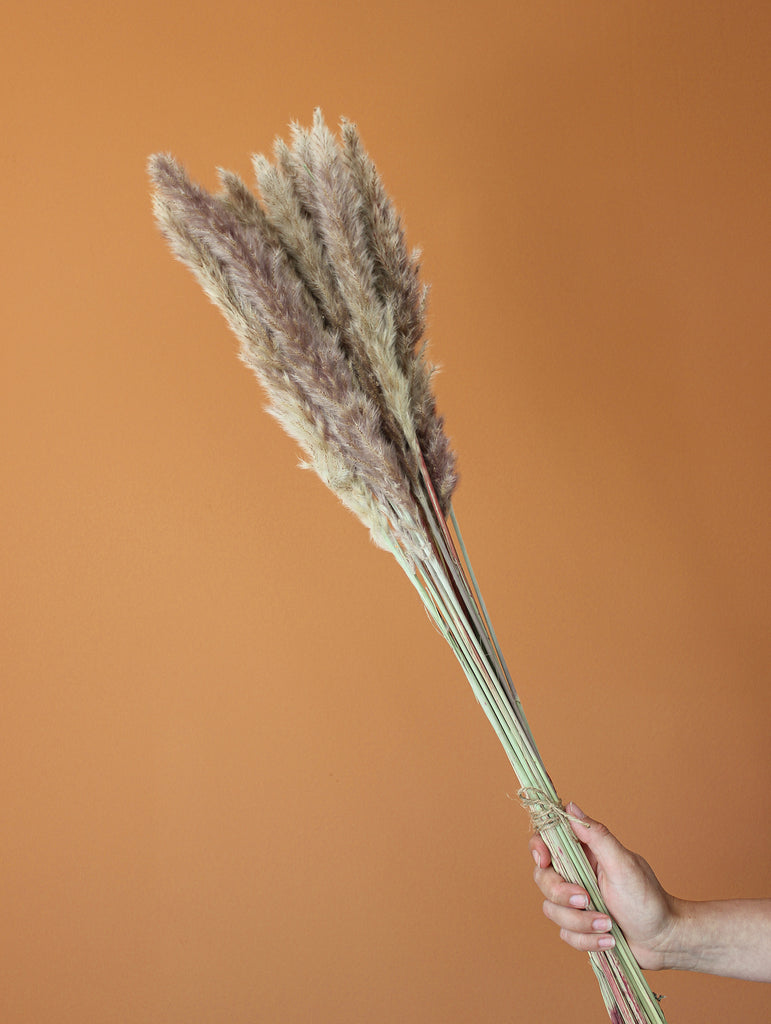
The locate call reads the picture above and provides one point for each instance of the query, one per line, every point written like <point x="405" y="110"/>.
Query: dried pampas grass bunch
<point x="315" y="279"/>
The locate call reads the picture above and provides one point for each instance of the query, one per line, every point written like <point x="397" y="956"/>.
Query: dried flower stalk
<point x="315" y="279"/>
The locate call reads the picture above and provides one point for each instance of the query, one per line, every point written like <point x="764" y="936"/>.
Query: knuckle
<point x="560" y="894"/>
<point x="578" y="940"/>
<point x="628" y="861"/>
<point x="540" y="881"/>
<point x="571" y="938"/>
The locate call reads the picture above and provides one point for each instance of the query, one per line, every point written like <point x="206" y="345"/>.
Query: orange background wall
<point x="242" y="779"/>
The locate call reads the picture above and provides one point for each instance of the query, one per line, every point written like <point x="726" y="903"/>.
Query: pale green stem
<point x="621" y="982"/>
<point x="488" y="621"/>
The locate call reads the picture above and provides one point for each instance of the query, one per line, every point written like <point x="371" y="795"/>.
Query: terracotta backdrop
<point x="242" y="779"/>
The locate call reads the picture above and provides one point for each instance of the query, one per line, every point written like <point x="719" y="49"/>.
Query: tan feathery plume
<point x="292" y="223"/>
<point x="397" y="276"/>
<point x="296" y="228"/>
<point x="282" y="340"/>
<point x="328" y="192"/>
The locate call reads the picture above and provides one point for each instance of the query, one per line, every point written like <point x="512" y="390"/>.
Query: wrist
<point x="727" y="937"/>
<point x="678" y="948"/>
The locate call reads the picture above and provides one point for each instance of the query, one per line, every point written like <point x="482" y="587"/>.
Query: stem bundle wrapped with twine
<point x="318" y="284"/>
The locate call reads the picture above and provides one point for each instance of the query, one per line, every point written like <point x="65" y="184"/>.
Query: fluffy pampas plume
<point x="314" y="276"/>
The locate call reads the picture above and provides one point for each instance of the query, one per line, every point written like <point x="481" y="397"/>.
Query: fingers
<point x="582" y="929"/>
<point x="601" y="843"/>
<point x="621" y="873"/>
<point x="567" y="904"/>
<point x="553" y="886"/>
<point x="540" y="851"/>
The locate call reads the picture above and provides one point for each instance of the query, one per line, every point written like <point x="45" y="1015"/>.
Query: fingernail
<point x="537" y="857"/>
<point x="606" y="942"/>
<point x="575" y="810"/>
<point x="601" y="924"/>
<point x="582" y="902"/>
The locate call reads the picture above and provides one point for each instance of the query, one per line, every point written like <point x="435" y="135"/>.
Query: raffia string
<point x="544" y="811"/>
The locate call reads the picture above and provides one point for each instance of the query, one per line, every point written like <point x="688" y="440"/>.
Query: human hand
<point x="644" y="912"/>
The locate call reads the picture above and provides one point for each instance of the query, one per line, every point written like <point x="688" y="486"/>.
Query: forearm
<point x="726" y="937"/>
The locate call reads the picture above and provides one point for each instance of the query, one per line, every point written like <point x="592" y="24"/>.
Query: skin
<point x="726" y="937"/>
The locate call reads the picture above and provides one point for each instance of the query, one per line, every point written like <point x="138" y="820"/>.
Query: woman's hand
<point x="644" y="912"/>
<point x="727" y="937"/>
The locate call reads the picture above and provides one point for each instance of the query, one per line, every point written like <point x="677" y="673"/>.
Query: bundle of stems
<point x="314" y="276"/>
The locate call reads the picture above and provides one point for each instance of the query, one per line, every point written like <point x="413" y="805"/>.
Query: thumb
<point x="606" y="849"/>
